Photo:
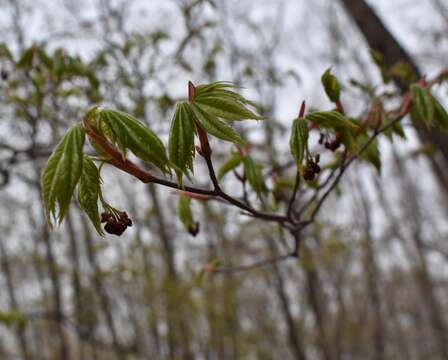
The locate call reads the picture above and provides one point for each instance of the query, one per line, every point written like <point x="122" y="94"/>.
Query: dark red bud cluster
<point x="194" y="229"/>
<point x="311" y="169"/>
<point x="115" y="224"/>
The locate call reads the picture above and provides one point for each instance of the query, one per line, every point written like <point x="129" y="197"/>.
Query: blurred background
<point x="371" y="281"/>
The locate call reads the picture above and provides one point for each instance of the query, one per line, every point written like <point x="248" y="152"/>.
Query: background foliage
<point x="371" y="278"/>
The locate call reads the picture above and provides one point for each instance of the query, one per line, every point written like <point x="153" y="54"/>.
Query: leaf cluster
<point x="113" y="132"/>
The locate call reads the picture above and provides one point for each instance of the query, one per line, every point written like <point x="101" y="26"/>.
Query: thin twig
<point x="293" y="197"/>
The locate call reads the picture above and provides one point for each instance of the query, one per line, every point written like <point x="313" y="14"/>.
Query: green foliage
<point x="372" y="153"/>
<point x="254" y="175"/>
<point x="299" y="140"/>
<point x="186" y="215"/>
<point x="403" y="71"/>
<point x="331" y="85"/>
<point x="423" y="103"/>
<point x="128" y="133"/>
<point x="331" y="120"/>
<point x="216" y="127"/>
<point x="214" y="103"/>
<point x="395" y="129"/>
<point x="230" y="164"/>
<point x="217" y="100"/>
<point x="427" y="108"/>
<point x="440" y="115"/>
<point x="89" y="190"/>
<point x="5" y="52"/>
<point x="61" y="173"/>
<point x="26" y="60"/>
<point x="210" y="107"/>
<point x="13" y="318"/>
<point x="181" y="141"/>
<point x="378" y="59"/>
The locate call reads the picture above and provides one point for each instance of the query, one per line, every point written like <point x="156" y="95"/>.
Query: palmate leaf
<point x="225" y="107"/>
<point x="214" y="126"/>
<point x="331" y="119"/>
<point x="215" y="98"/>
<point x="129" y="133"/>
<point x="215" y="86"/>
<point x="423" y="103"/>
<point x="299" y="140"/>
<point x="89" y="190"/>
<point x="61" y="174"/>
<point x="440" y="115"/>
<point x="181" y="140"/>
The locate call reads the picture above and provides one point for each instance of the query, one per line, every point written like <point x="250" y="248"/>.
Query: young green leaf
<point x="5" y="52"/>
<point x="215" y="86"/>
<point x="378" y="59"/>
<point x="395" y="129"/>
<point x="230" y="164"/>
<point x="331" y="119"/>
<point x="225" y="108"/>
<point x="403" y="71"/>
<point x="216" y="127"/>
<point x="186" y="215"/>
<point x="331" y="85"/>
<point x="298" y="140"/>
<point x="398" y="130"/>
<point x="26" y="60"/>
<point x="44" y="58"/>
<point x="440" y="114"/>
<point x="216" y="99"/>
<point x="89" y="190"/>
<point x="372" y="153"/>
<point x="13" y="318"/>
<point x="181" y="140"/>
<point x="423" y="103"/>
<point x="61" y="173"/>
<point x="348" y="138"/>
<point x="254" y="175"/>
<point x="131" y="134"/>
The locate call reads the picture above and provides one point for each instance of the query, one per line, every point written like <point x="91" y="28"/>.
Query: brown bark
<point x="75" y="277"/>
<point x="178" y="331"/>
<point x="149" y="286"/>
<point x="13" y="303"/>
<point x="56" y="292"/>
<point x="423" y="276"/>
<point x="294" y="336"/>
<point x="372" y="275"/>
<point x="314" y="293"/>
<point x="100" y="289"/>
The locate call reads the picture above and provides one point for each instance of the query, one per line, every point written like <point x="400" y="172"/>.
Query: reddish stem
<point x="191" y="91"/>
<point x="115" y="157"/>
<point x="302" y="109"/>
